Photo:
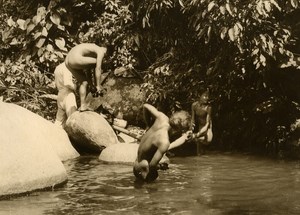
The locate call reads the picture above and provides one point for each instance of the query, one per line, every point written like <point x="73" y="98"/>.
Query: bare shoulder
<point x="163" y="117"/>
<point x="96" y="48"/>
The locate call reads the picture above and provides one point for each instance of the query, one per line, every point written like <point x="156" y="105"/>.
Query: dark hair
<point x="136" y="173"/>
<point x="152" y="175"/>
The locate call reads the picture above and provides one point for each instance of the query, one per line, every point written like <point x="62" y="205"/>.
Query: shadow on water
<point x="209" y="184"/>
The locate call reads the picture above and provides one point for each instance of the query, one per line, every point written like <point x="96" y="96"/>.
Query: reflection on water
<point x="210" y="184"/>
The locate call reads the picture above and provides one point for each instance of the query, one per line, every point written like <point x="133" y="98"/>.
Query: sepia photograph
<point x="150" y="107"/>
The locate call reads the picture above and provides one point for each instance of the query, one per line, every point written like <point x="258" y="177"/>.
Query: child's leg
<point x="209" y="135"/>
<point x="82" y="95"/>
<point x="70" y="104"/>
<point x="83" y="91"/>
<point x="200" y="146"/>
<point x="90" y="78"/>
<point x="61" y="116"/>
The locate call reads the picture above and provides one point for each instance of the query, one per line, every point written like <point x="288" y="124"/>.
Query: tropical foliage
<point x="241" y="51"/>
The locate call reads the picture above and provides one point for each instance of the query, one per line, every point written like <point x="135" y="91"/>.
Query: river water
<point x="209" y="184"/>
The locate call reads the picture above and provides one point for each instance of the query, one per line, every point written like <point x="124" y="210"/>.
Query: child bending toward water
<point x="80" y="59"/>
<point x="154" y="143"/>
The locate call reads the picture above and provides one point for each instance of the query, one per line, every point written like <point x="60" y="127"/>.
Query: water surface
<point x="209" y="184"/>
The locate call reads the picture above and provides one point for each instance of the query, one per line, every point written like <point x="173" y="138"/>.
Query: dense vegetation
<point x="243" y="52"/>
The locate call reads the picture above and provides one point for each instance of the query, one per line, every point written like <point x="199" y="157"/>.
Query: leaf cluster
<point x="236" y="49"/>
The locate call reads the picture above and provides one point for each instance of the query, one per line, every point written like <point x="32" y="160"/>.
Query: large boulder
<point x="90" y="132"/>
<point x="28" y="153"/>
<point x="62" y="144"/>
<point x="125" y="153"/>
<point x="54" y="135"/>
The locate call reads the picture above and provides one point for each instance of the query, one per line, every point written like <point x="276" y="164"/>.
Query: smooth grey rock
<point x="62" y="144"/>
<point x="90" y="132"/>
<point x="28" y="158"/>
<point x="55" y="135"/>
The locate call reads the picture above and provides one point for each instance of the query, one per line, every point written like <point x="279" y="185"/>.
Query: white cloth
<point x="66" y="100"/>
<point x="63" y="78"/>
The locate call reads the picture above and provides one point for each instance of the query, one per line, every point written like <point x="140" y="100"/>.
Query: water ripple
<point x="211" y="184"/>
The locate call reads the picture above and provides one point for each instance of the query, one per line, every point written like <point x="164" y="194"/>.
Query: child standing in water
<point x="201" y="121"/>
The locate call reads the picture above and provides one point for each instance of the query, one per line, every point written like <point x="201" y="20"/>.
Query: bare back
<point x="155" y="142"/>
<point x="84" y="55"/>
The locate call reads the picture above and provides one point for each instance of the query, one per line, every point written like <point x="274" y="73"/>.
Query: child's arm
<point x="100" y="51"/>
<point x="158" y="155"/>
<point x="204" y="129"/>
<point x="179" y="141"/>
<point x="155" y="160"/>
<point x="149" y="112"/>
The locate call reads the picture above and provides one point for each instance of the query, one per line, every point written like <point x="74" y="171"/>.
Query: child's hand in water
<point x="163" y="166"/>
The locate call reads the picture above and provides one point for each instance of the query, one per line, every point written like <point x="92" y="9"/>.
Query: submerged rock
<point x="31" y="150"/>
<point x="125" y="153"/>
<point x="90" y="132"/>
